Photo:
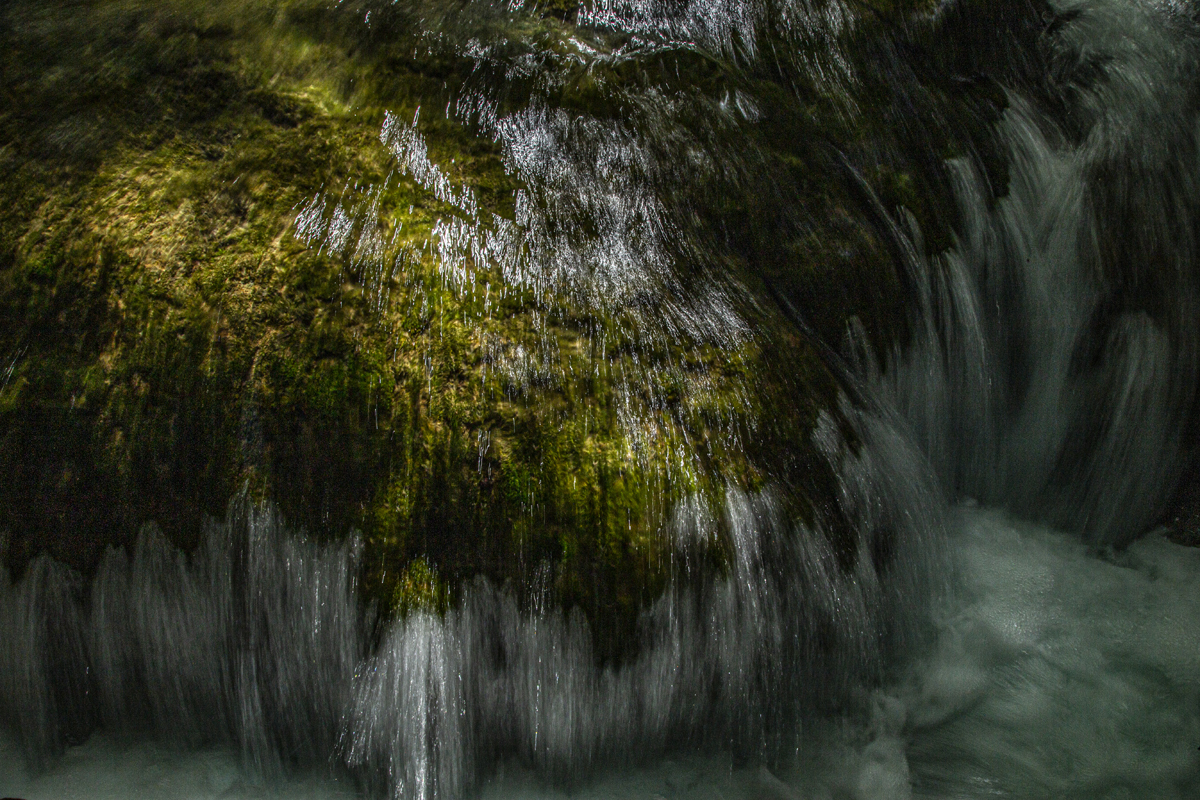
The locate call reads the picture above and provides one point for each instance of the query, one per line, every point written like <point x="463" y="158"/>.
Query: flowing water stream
<point x="1027" y="431"/>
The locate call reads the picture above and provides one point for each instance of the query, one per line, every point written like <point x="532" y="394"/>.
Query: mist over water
<point x="1004" y="649"/>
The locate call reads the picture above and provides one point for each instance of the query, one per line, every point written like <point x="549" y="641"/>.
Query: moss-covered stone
<point x="170" y="342"/>
<point x="173" y="332"/>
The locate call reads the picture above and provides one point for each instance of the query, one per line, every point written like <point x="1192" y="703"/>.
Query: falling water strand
<point x="1036" y="383"/>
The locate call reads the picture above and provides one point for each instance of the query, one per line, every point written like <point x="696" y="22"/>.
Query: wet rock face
<point x="498" y="290"/>
<point x="195" y="301"/>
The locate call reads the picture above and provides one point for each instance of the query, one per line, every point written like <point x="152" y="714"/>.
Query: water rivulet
<point x="971" y="608"/>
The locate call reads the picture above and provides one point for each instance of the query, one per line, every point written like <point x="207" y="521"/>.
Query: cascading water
<point x="1046" y="375"/>
<point x="1050" y="368"/>
<point x="278" y="665"/>
<point x="1047" y="379"/>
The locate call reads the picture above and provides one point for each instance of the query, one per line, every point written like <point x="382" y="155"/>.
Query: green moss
<point x="417" y="588"/>
<point x="169" y="337"/>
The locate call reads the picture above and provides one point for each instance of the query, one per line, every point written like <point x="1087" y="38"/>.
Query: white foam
<point x="1059" y="673"/>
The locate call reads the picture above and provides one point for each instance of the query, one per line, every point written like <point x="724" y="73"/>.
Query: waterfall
<point x="1050" y="369"/>
<point x="257" y="640"/>
<point x="1049" y="374"/>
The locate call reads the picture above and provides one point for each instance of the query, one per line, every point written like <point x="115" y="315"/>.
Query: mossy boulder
<point x="217" y="276"/>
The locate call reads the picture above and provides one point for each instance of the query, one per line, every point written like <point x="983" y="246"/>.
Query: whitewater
<point x="1033" y="635"/>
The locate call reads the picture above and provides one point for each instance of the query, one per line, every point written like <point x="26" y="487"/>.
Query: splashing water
<point x="987" y="656"/>
<point x="1055" y="674"/>
<point x="279" y="665"/>
<point x="1045" y="378"/>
